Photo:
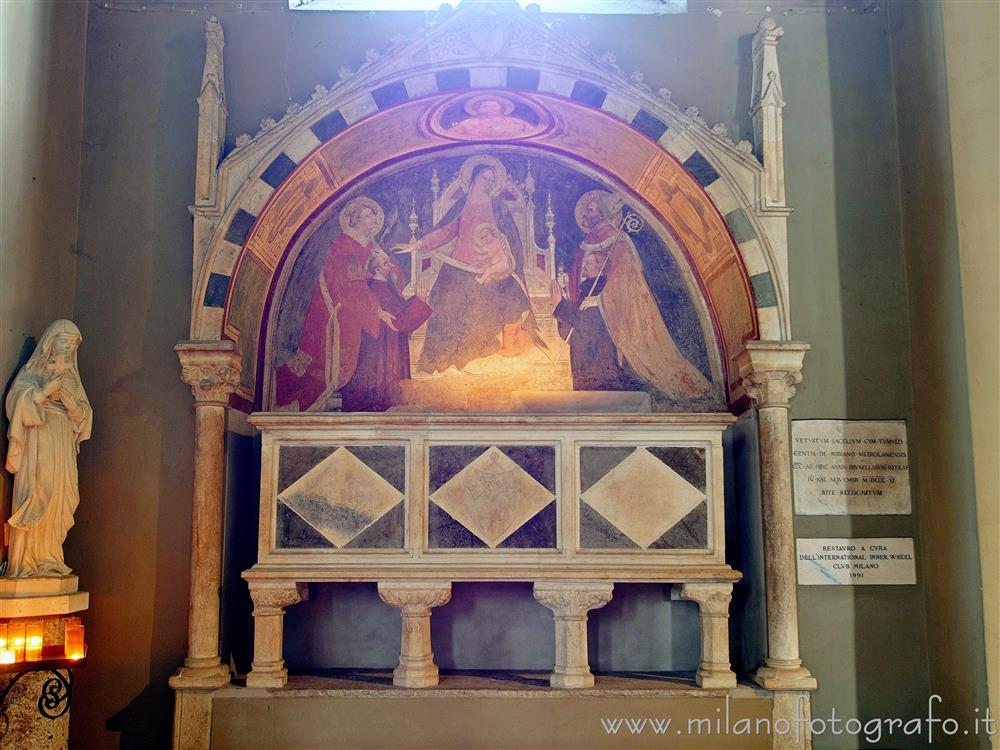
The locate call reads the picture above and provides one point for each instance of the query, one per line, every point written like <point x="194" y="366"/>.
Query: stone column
<point x="570" y="601"/>
<point x="416" y="599"/>
<point x="770" y="371"/>
<point x="713" y="607"/>
<point x="269" y="601"/>
<point x="212" y="369"/>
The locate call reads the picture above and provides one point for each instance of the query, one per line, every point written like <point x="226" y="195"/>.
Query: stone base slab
<point x="43" y="605"/>
<point x="476" y="711"/>
<point x="39" y="586"/>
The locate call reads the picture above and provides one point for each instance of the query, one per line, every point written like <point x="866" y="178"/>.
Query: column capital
<point x="418" y="596"/>
<point x="713" y="599"/>
<point x="572" y="598"/>
<point x="211" y="368"/>
<point x="271" y="597"/>
<point x="770" y="370"/>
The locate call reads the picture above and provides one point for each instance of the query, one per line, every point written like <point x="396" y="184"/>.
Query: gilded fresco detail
<point x="305" y="192"/>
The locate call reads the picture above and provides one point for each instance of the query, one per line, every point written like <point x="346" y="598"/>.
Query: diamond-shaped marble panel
<point x="642" y="497"/>
<point x="340" y="497"/>
<point x="492" y="497"/>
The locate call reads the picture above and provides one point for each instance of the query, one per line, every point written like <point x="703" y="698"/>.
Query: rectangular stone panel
<point x="645" y="497"/>
<point x="492" y="496"/>
<point x="340" y="496"/>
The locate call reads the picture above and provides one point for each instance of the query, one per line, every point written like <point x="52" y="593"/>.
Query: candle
<point x="7" y="656"/>
<point x="16" y="639"/>
<point x="33" y="642"/>
<point x="74" y="642"/>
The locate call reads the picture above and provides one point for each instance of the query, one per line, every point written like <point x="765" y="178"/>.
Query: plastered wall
<point x="943" y="177"/>
<point x="41" y="113"/>
<point x="972" y="59"/>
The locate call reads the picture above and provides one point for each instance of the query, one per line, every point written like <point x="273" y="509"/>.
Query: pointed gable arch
<point x="701" y="185"/>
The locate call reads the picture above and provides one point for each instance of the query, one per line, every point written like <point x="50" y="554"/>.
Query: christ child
<point x="492" y="253"/>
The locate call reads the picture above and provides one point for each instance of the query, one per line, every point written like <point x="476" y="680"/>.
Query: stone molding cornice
<point x="211" y="368"/>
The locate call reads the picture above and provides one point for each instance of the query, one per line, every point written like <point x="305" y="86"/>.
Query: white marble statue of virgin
<point x="49" y="417"/>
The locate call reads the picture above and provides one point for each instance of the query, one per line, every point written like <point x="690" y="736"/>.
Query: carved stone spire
<point x="211" y="115"/>
<point x="766" y="104"/>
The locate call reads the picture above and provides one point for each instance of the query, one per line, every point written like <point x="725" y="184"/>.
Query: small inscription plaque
<point x="850" y="467"/>
<point x="856" y="562"/>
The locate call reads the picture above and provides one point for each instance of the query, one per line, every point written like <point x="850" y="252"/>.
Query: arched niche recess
<point x="710" y="194"/>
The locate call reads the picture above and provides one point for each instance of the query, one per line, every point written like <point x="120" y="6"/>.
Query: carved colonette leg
<point x="416" y="599"/>
<point x="770" y="372"/>
<point x="269" y="601"/>
<point x="212" y="369"/>
<point x="570" y="601"/>
<point x="713" y="606"/>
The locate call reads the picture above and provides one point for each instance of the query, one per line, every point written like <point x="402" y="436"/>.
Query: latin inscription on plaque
<point x="856" y="562"/>
<point x="850" y="467"/>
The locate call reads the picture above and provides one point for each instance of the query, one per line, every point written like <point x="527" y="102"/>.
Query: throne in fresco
<point x="551" y="368"/>
<point x="539" y="262"/>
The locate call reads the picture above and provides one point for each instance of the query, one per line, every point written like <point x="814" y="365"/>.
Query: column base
<point x="572" y="679"/>
<point x="715" y="678"/>
<point x="784" y="678"/>
<point x="277" y="678"/>
<point x="200" y="677"/>
<point x="421" y="674"/>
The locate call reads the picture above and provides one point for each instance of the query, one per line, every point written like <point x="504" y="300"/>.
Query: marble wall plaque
<point x="845" y="467"/>
<point x="856" y="562"/>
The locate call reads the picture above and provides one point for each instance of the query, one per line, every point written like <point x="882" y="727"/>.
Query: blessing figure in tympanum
<point x="611" y="320"/>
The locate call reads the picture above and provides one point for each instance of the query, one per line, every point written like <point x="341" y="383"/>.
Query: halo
<point x="465" y="173"/>
<point x="604" y="200"/>
<point x="472" y="104"/>
<point x="359" y="202"/>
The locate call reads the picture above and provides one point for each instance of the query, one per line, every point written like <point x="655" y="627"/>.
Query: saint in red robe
<point x="341" y="307"/>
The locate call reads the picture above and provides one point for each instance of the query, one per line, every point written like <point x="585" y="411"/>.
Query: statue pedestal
<point x="41" y="596"/>
<point x="31" y="722"/>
